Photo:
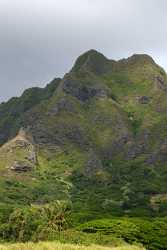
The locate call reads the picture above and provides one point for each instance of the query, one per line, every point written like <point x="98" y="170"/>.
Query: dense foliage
<point x="56" y="222"/>
<point x="151" y="233"/>
<point x="35" y="223"/>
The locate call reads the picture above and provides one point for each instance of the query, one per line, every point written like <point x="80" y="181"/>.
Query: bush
<point x="151" y="233"/>
<point x="35" y="223"/>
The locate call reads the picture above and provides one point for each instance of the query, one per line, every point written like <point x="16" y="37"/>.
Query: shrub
<point x="34" y="223"/>
<point x="151" y="233"/>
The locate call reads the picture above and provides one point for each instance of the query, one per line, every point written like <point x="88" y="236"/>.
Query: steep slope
<point x="100" y="132"/>
<point x="12" y="111"/>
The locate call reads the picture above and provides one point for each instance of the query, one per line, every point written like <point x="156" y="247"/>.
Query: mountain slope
<point x="99" y="136"/>
<point x="12" y="111"/>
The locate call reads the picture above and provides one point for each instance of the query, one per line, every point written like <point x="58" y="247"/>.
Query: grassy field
<point x="59" y="246"/>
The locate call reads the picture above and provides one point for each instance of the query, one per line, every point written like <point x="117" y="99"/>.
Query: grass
<point x="59" y="246"/>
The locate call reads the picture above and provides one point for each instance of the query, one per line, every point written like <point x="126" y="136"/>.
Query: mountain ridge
<point x="100" y="129"/>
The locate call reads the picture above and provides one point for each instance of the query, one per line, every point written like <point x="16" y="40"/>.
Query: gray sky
<point x="40" y="39"/>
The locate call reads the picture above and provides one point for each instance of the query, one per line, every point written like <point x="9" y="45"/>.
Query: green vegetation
<point x="55" y="222"/>
<point x="95" y="142"/>
<point x="150" y="233"/>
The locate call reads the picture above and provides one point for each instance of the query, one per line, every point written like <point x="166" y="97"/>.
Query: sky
<point x="41" y="39"/>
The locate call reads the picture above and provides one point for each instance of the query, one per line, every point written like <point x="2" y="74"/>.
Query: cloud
<point x="41" y="39"/>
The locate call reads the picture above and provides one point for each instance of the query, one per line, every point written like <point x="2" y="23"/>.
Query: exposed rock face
<point x="21" y="166"/>
<point x="82" y="92"/>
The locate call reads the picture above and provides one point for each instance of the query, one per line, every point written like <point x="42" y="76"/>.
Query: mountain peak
<point x="140" y="58"/>
<point x="91" y="60"/>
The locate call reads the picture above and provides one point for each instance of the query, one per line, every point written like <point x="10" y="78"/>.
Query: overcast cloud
<point x="40" y="39"/>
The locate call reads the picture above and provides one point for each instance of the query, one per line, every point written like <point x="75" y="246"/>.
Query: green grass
<point x="59" y="246"/>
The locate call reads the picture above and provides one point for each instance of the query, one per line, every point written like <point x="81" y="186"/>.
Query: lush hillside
<point x="99" y="134"/>
<point x="96" y="139"/>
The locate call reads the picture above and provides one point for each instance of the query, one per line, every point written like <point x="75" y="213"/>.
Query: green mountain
<point x="97" y="137"/>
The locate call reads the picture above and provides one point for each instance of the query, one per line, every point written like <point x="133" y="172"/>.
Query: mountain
<point x="98" y="137"/>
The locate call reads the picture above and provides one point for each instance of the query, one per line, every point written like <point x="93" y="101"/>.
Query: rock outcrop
<point x="21" y="166"/>
<point x="20" y="153"/>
